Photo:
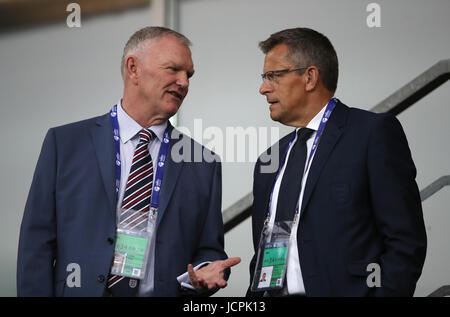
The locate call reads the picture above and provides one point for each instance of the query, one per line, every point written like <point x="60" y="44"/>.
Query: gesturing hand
<point x="211" y="276"/>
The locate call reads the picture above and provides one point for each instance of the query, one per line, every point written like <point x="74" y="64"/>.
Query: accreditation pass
<point x="130" y="254"/>
<point x="273" y="267"/>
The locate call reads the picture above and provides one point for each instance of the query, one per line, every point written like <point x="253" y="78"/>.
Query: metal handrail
<point x="238" y="212"/>
<point x="434" y="187"/>
<point x="241" y="210"/>
<point x="397" y="102"/>
<point x="441" y="292"/>
<point x="416" y="89"/>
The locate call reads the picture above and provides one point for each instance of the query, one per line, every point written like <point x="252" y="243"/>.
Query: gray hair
<point x="307" y="47"/>
<point x="146" y="34"/>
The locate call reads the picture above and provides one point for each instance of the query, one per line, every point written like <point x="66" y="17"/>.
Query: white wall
<point x="50" y="76"/>
<point x="53" y="75"/>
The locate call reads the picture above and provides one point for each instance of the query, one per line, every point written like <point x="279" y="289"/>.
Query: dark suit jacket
<point x="70" y="214"/>
<point x="361" y="205"/>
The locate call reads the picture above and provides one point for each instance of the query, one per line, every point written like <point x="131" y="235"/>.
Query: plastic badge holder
<point x="270" y="269"/>
<point x="132" y="249"/>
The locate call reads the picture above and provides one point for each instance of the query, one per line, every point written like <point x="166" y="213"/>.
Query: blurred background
<point x="52" y="74"/>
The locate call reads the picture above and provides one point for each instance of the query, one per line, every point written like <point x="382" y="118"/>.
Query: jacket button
<point x="100" y="278"/>
<point x="110" y="240"/>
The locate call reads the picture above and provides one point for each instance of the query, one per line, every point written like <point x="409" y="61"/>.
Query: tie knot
<point x="303" y="134"/>
<point x="145" y="136"/>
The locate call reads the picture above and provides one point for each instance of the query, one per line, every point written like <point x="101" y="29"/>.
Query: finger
<point x="211" y="286"/>
<point x="222" y="283"/>
<point x="231" y="262"/>
<point x="192" y="276"/>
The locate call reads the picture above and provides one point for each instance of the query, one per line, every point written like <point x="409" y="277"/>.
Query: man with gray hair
<point x="110" y="212"/>
<point x="342" y="215"/>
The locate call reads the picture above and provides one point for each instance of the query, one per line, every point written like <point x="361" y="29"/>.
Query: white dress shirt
<point x="129" y="139"/>
<point x="294" y="279"/>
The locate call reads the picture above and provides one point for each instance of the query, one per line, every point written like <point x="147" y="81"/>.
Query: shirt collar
<point x="315" y="122"/>
<point x="130" y="128"/>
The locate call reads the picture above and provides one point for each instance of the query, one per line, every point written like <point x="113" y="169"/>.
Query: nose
<point x="183" y="80"/>
<point x="265" y="88"/>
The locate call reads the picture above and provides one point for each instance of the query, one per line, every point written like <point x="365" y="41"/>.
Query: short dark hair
<point x="310" y="47"/>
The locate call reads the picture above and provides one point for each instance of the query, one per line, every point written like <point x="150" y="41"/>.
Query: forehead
<point x="277" y="57"/>
<point x="166" y="50"/>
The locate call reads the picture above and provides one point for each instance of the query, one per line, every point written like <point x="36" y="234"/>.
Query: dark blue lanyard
<point x="161" y="158"/>
<point x="328" y="110"/>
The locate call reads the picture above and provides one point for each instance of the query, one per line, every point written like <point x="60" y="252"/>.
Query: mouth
<point x="177" y="95"/>
<point x="272" y="102"/>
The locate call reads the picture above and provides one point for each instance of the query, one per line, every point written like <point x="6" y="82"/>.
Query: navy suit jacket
<point x="70" y="214"/>
<point x="361" y="205"/>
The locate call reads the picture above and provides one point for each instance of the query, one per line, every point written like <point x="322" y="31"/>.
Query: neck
<point x="313" y="107"/>
<point x="140" y="112"/>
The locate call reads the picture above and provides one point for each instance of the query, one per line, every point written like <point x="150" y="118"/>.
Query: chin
<point x="172" y="109"/>
<point x="274" y="116"/>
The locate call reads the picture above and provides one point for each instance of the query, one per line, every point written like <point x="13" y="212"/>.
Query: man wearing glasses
<point x="342" y="214"/>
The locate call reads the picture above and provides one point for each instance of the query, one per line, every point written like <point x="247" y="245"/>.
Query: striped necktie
<point x="135" y="205"/>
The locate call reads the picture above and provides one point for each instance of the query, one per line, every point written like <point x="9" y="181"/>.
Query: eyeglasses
<point x="272" y="74"/>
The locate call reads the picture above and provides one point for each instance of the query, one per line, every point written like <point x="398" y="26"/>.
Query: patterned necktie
<point x="292" y="178"/>
<point x="135" y="205"/>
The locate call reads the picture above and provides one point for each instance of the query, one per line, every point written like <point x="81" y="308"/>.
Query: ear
<point x="131" y="69"/>
<point x="311" y="78"/>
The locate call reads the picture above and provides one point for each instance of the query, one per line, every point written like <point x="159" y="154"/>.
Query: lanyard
<point x="161" y="159"/>
<point x="328" y="110"/>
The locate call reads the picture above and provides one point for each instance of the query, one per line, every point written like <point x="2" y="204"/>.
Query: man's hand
<point x="211" y="276"/>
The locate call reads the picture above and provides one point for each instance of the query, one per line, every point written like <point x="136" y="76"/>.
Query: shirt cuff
<point x="184" y="280"/>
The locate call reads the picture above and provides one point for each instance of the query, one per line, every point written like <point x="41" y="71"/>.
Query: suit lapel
<point x="101" y="134"/>
<point x="104" y="149"/>
<point x="331" y="134"/>
<point x="170" y="178"/>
